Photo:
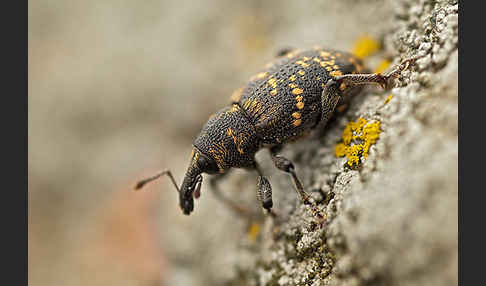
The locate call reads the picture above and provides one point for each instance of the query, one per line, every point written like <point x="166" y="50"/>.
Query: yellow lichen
<point x="365" y="46"/>
<point x="253" y="231"/>
<point x="340" y="150"/>
<point x="357" y="139"/>
<point x="388" y="98"/>
<point x="383" y="66"/>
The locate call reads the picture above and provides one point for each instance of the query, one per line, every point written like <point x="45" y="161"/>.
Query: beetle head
<point x="191" y="186"/>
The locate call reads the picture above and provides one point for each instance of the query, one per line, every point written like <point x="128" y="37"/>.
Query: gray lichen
<point x="393" y="221"/>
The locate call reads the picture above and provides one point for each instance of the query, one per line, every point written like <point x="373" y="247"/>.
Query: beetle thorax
<point x="229" y="138"/>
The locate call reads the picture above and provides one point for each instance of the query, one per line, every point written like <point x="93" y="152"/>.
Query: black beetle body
<point x="282" y="103"/>
<point x="277" y="105"/>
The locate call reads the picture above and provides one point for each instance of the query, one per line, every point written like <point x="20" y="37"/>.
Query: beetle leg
<point x="235" y="207"/>
<point x="377" y="78"/>
<point x="287" y="166"/>
<point x="329" y="99"/>
<point x="332" y="93"/>
<point x="264" y="193"/>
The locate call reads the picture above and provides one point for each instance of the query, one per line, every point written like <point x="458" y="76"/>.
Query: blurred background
<point x="119" y="90"/>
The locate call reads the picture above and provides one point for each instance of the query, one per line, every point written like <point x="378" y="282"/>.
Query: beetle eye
<point x="207" y="165"/>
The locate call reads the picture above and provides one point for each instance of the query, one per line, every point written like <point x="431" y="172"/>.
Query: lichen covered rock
<point x="392" y="219"/>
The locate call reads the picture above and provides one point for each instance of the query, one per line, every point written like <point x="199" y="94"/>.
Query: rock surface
<point x="393" y="221"/>
<point x="119" y="89"/>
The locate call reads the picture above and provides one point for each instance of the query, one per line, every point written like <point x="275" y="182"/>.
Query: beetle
<point x="291" y="96"/>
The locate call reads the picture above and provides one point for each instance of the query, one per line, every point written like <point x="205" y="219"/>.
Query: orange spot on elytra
<point x="336" y="73"/>
<point x="303" y="64"/>
<point x="297" y="122"/>
<point x="292" y="85"/>
<point x="297" y="91"/>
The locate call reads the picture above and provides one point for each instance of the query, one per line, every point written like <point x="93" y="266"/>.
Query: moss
<point x="357" y="139"/>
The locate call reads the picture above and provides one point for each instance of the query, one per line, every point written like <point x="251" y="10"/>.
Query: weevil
<point x="293" y="95"/>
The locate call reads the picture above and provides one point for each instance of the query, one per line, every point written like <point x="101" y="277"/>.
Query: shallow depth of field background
<point x="119" y="90"/>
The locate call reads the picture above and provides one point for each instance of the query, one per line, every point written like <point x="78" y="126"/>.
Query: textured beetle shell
<point x="279" y="104"/>
<point x="286" y="102"/>
<point x="229" y="138"/>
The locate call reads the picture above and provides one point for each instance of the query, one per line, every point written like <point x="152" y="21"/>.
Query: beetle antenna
<point x="142" y="183"/>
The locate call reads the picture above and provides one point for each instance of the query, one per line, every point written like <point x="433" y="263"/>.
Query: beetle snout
<point x="185" y="196"/>
<point x="187" y="205"/>
<point x="190" y="188"/>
